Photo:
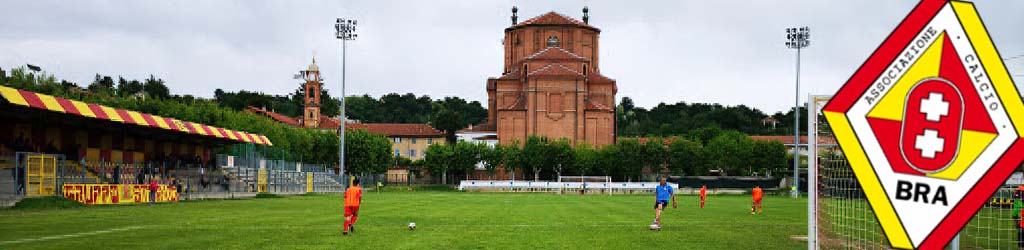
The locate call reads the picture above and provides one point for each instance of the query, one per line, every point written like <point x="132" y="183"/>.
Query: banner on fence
<point x="261" y="181"/>
<point x="309" y="182"/>
<point x="94" y="194"/>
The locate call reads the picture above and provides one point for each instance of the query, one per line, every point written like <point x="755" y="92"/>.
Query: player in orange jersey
<point x="353" y="196"/>
<point x="703" y="195"/>
<point x="756" y="194"/>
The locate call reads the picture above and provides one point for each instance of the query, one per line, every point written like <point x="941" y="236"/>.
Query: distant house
<point x="478" y="134"/>
<point x="407" y="140"/>
<point x="787" y="140"/>
<point x="768" y="121"/>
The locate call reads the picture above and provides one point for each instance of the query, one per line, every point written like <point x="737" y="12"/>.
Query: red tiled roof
<point x="397" y="129"/>
<point x="553" y="18"/>
<point x="277" y="117"/>
<point x="329" y="123"/>
<point x="555" y="53"/>
<point x="555" y="69"/>
<point x="482" y="127"/>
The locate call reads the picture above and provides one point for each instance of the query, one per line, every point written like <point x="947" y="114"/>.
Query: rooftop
<point x="554" y="18"/>
<point x="398" y="129"/>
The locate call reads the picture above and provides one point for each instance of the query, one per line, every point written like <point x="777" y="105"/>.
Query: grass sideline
<point x="44" y="203"/>
<point x="445" y="220"/>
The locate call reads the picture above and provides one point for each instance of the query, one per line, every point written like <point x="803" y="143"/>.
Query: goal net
<point x="840" y="216"/>
<point x="585" y="183"/>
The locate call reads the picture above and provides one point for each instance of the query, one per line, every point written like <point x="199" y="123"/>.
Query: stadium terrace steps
<point x="9" y="201"/>
<point x="7" y="190"/>
<point x="77" y="169"/>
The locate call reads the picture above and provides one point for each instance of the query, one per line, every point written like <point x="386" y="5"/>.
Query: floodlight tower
<point x="797" y="38"/>
<point x="346" y="31"/>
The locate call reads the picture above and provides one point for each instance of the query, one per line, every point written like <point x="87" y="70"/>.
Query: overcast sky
<point x="729" y="52"/>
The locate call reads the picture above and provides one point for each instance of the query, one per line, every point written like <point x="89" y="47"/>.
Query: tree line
<point x="725" y="152"/>
<point x="448" y="114"/>
<point x="681" y="118"/>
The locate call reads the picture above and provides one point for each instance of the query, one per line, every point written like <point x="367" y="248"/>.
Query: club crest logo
<point x="931" y="124"/>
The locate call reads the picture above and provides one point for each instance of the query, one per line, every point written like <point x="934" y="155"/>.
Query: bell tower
<point x="311" y="101"/>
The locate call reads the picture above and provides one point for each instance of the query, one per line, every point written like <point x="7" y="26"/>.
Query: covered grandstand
<point x="47" y="143"/>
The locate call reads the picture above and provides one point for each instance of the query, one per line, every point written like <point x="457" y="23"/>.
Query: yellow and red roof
<point x="72" y="107"/>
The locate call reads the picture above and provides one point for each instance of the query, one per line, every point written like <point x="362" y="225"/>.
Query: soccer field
<point x="446" y="220"/>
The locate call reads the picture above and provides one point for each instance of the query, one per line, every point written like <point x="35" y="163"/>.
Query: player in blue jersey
<point x="662" y="194"/>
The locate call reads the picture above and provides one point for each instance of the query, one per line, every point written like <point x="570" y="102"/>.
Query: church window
<point x="553" y="41"/>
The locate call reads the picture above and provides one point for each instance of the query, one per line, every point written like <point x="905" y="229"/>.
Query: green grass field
<point x="446" y="220"/>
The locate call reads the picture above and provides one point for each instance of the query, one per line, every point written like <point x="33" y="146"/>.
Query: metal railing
<point x="282" y="177"/>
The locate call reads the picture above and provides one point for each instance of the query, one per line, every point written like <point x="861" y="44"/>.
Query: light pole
<point x="797" y="38"/>
<point x="346" y="31"/>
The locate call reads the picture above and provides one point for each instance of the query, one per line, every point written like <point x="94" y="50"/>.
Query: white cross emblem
<point x="929" y="143"/>
<point x="934" y="107"/>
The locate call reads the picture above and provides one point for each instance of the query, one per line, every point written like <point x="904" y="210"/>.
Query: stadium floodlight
<point x="346" y="31"/>
<point x="797" y="38"/>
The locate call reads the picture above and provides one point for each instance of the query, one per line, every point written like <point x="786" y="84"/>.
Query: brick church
<point x="551" y="84"/>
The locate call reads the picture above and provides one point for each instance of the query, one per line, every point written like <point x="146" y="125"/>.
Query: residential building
<point x="407" y="140"/>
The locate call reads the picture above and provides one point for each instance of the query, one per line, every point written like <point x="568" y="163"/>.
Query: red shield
<point x="932" y="123"/>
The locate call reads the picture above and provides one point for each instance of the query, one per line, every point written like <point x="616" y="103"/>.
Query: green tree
<point x="493" y="157"/>
<point x="629" y="157"/>
<point x="687" y="157"/>
<point x="439" y="158"/>
<point x="705" y="134"/>
<point x="448" y="121"/>
<point x="608" y="161"/>
<point x="103" y="85"/>
<point x="534" y="151"/>
<point x="654" y="153"/>
<point x="466" y="156"/>
<point x="514" y="158"/>
<point x="366" y="152"/>
<point x="769" y="157"/>
<point x="559" y="156"/>
<point x="156" y="88"/>
<point x="585" y="159"/>
<point x="126" y="88"/>
<point x="731" y="151"/>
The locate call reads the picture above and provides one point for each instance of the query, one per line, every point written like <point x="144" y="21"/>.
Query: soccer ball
<point x="655" y="227"/>
<point x="412" y="225"/>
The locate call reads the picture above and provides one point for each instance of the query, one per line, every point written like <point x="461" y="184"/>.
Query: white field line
<point x="56" y="237"/>
<point x="443" y="225"/>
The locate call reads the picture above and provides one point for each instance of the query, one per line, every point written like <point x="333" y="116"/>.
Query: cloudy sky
<point x="729" y="52"/>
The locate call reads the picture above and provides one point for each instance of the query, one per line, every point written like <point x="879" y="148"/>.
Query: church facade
<point x="551" y="83"/>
